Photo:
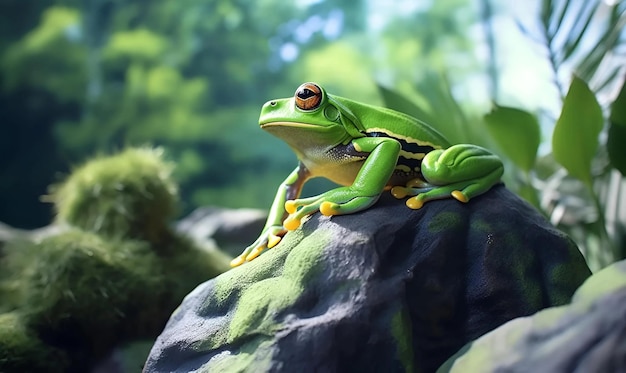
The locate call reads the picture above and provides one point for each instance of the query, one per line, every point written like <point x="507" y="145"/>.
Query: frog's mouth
<point x="289" y="124"/>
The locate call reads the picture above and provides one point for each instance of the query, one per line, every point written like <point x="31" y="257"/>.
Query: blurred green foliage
<point x="575" y="138"/>
<point x="91" y="77"/>
<point x="22" y="351"/>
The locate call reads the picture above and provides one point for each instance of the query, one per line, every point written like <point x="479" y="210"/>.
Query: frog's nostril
<point x="272" y="103"/>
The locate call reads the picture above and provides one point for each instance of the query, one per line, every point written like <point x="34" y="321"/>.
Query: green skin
<point x="366" y="149"/>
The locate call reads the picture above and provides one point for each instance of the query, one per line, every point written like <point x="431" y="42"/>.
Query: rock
<point x="228" y="229"/>
<point x="7" y="233"/>
<point x="588" y="335"/>
<point x="386" y="290"/>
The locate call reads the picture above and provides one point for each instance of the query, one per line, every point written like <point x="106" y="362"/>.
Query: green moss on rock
<point x="22" y="351"/>
<point x="256" y="353"/>
<point x="80" y="284"/>
<point x="85" y="294"/>
<point x="95" y="283"/>
<point x="401" y="329"/>
<point x="263" y="295"/>
<point x="444" y="220"/>
<point x="270" y="296"/>
<point x="607" y="281"/>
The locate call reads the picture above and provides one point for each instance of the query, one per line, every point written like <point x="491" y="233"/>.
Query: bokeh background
<point x="92" y="77"/>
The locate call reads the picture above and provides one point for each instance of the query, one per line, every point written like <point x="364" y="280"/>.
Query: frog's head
<point x="311" y="114"/>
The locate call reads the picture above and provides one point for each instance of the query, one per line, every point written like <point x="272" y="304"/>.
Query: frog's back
<point x="410" y="131"/>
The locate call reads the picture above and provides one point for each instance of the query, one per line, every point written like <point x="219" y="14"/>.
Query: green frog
<point x="366" y="150"/>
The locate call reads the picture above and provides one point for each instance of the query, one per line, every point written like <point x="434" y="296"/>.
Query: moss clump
<point x="129" y="195"/>
<point x="22" y="351"/>
<point x="84" y="292"/>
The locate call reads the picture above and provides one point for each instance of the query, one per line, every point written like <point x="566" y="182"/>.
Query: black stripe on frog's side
<point x="409" y="147"/>
<point x="411" y="163"/>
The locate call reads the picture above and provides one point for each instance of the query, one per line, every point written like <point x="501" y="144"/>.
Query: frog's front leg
<point x="364" y="191"/>
<point x="462" y="171"/>
<point x="274" y="231"/>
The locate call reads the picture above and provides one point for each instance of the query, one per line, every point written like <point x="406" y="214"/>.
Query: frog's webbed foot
<point x="412" y="188"/>
<point x="269" y="238"/>
<point x="455" y="191"/>
<point x="415" y="187"/>
<point x="339" y="201"/>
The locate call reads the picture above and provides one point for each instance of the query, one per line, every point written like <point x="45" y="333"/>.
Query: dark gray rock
<point x="9" y="234"/>
<point x="386" y="290"/>
<point x="228" y="229"/>
<point x="588" y="335"/>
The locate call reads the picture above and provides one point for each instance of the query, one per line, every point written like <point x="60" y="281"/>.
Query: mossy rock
<point x="86" y="294"/>
<point x="587" y="335"/>
<point x="129" y="195"/>
<point x="388" y="289"/>
<point x="22" y="351"/>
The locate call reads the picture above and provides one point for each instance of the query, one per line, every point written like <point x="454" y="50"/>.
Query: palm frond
<point x="586" y="36"/>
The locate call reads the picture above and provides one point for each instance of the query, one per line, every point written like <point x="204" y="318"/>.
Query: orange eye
<point x="308" y="96"/>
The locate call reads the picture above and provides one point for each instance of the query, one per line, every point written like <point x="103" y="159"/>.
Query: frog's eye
<point x="308" y="96"/>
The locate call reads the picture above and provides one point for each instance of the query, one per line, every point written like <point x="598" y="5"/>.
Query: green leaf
<point x="529" y="193"/>
<point x="617" y="132"/>
<point x="517" y="133"/>
<point x="618" y="108"/>
<point x="556" y="16"/>
<point x="450" y="119"/>
<point x="578" y="30"/>
<point x="606" y="41"/>
<point x="442" y="122"/>
<point x="546" y="12"/>
<point x="575" y="138"/>
<point x="398" y="102"/>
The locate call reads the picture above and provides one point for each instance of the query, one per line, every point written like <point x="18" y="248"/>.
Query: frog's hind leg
<point x="479" y="186"/>
<point x="462" y="191"/>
